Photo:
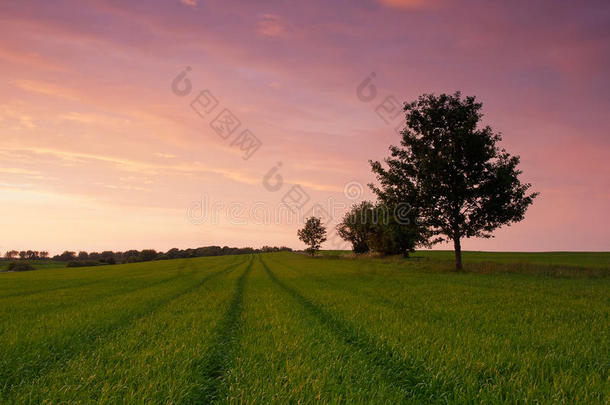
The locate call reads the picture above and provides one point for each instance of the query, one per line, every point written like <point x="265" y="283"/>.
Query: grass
<point x="279" y="328"/>
<point x="564" y="264"/>
<point x="572" y="259"/>
<point x="37" y="264"/>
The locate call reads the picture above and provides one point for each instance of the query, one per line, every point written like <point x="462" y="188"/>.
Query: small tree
<point x="357" y="226"/>
<point x="147" y="255"/>
<point x="396" y="230"/>
<point x="461" y="182"/>
<point x="67" y="256"/>
<point x="313" y="234"/>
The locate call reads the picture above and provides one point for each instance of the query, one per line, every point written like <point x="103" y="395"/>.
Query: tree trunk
<point x="458" y="253"/>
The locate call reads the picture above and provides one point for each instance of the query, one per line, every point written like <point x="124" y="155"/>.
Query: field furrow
<point x="285" y="328"/>
<point x="72" y="335"/>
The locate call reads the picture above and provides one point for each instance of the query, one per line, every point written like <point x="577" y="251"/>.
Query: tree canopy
<point x="313" y="234"/>
<point x="451" y="170"/>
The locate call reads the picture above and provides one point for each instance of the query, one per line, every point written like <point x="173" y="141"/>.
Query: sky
<point x="114" y="131"/>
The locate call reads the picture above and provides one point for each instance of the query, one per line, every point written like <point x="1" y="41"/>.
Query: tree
<point x="44" y="255"/>
<point x="82" y="255"/>
<point x="395" y="229"/>
<point x="313" y="234"/>
<point x="66" y="256"/>
<point x="148" y="255"/>
<point x="11" y="254"/>
<point x="451" y="169"/>
<point x="357" y="226"/>
<point x="23" y="254"/>
<point x="107" y="256"/>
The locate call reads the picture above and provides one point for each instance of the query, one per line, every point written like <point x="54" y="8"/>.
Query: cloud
<point x="271" y="25"/>
<point x="164" y="155"/>
<point x="192" y="3"/>
<point x="138" y="166"/>
<point x="49" y="89"/>
<point x="407" y="3"/>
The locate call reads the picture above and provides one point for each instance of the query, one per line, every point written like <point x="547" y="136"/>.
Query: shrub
<point x="82" y="263"/>
<point x="19" y="266"/>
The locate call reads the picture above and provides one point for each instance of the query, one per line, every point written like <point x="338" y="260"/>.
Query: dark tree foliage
<point x="452" y="171"/>
<point x="66" y="256"/>
<point x="395" y="229"/>
<point x="11" y="254"/>
<point x="133" y="256"/>
<point x="357" y="226"/>
<point x="147" y="255"/>
<point x="19" y="266"/>
<point x="387" y="228"/>
<point x="313" y="234"/>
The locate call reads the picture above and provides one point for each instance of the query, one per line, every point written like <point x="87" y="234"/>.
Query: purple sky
<point x="99" y="153"/>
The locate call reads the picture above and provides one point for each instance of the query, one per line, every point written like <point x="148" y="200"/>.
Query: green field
<point x="36" y="264"/>
<point x="282" y="327"/>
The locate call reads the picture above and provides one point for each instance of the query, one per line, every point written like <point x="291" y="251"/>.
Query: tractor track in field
<point x="372" y="297"/>
<point x="187" y="271"/>
<point x="87" y="284"/>
<point x="46" y="290"/>
<point x="211" y="369"/>
<point x="409" y="378"/>
<point x="61" y="287"/>
<point x="104" y="297"/>
<point x="60" y="353"/>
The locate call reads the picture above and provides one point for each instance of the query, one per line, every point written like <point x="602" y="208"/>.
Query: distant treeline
<point x="82" y="258"/>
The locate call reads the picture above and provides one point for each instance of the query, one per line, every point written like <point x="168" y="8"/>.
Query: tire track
<point x="73" y="284"/>
<point x="97" y="299"/>
<point x="59" y="352"/>
<point x="211" y="369"/>
<point x="372" y="297"/>
<point x="409" y="378"/>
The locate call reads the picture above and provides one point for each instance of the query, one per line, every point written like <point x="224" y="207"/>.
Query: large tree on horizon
<point x="452" y="171"/>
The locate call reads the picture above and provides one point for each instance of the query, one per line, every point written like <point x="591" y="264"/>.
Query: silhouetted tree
<point x="357" y="226"/>
<point x="66" y="256"/>
<point x="11" y="254"/>
<point x="148" y="255"/>
<point x="82" y="255"/>
<point x="173" y="253"/>
<point x="313" y="234"/>
<point x="108" y="257"/>
<point x="452" y="171"/>
<point x="395" y="230"/>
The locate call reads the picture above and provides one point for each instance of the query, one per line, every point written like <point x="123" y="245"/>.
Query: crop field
<point x="282" y="327"/>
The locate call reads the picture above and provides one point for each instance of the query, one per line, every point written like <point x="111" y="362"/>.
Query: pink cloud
<point x="408" y="3"/>
<point x="271" y="25"/>
<point x="106" y="129"/>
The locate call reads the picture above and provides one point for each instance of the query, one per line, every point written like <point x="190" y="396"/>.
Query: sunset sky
<point x="99" y="153"/>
